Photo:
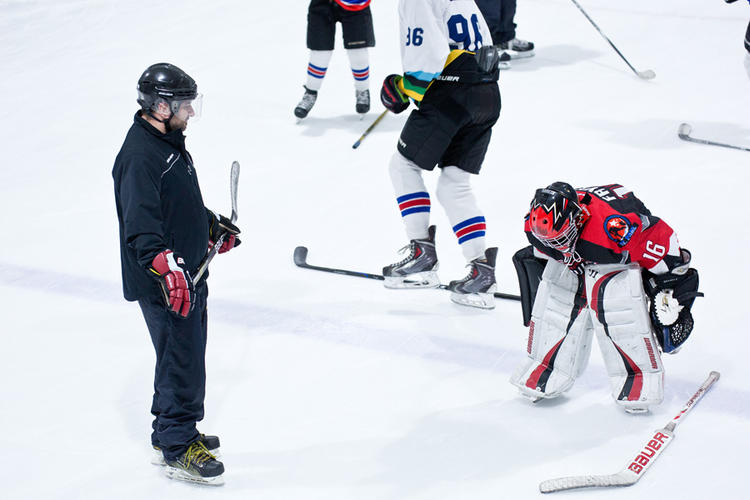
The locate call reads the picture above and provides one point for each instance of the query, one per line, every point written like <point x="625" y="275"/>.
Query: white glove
<point x="667" y="307"/>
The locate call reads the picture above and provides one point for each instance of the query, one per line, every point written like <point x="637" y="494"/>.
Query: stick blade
<point x="234" y="179"/>
<point x="300" y="256"/>
<point x="684" y="130"/>
<point x="647" y="74"/>
<point x="624" y="478"/>
<point x="356" y="144"/>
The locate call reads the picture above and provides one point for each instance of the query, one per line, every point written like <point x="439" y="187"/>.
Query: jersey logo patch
<point x="619" y="229"/>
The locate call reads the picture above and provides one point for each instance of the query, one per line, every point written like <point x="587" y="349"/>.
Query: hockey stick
<point x="638" y="466"/>
<point x="684" y="133"/>
<point x="300" y="260"/>
<point x="234" y="177"/>
<point x="646" y="74"/>
<point x="362" y="137"/>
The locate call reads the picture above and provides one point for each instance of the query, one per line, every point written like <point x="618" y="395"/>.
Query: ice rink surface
<point x="328" y="387"/>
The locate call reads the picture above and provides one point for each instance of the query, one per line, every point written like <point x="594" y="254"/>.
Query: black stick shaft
<point x="300" y="260"/>
<point x="604" y="36"/>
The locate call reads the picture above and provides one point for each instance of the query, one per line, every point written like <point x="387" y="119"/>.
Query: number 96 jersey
<point x="619" y="229"/>
<point x="430" y="31"/>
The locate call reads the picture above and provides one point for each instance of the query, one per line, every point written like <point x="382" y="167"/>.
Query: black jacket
<point x="159" y="205"/>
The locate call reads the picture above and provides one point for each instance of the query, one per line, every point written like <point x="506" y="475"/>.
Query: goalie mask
<point x="555" y="216"/>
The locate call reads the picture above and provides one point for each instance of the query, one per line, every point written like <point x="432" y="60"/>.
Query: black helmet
<point x="163" y="82"/>
<point x="555" y="215"/>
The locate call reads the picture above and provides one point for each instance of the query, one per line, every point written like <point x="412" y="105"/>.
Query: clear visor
<point x="188" y="109"/>
<point x="562" y="241"/>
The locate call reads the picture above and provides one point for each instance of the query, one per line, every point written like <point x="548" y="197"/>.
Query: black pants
<point x="180" y="376"/>
<point x="499" y="15"/>
<point x="452" y="127"/>
<point x="322" y="16"/>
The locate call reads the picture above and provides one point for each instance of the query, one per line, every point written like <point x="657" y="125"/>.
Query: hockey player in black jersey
<point x="450" y="72"/>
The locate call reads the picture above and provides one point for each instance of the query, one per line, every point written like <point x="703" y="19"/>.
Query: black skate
<point x="504" y="61"/>
<point x="211" y="443"/>
<point x="196" y="465"/>
<point x="517" y="48"/>
<point x="306" y="104"/>
<point x="363" y="101"/>
<point x="419" y="269"/>
<point x="478" y="287"/>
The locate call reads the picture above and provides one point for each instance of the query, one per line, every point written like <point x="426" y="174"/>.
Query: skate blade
<point x="478" y="300"/>
<point x="181" y="475"/>
<point x="520" y="55"/>
<point x="157" y="457"/>
<point x="428" y="279"/>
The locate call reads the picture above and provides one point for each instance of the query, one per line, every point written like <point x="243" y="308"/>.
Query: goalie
<point x="608" y="266"/>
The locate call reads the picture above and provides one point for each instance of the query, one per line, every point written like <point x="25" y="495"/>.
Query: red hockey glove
<point x="390" y="95"/>
<point x="175" y="282"/>
<point x="219" y="225"/>
<point x="574" y="262"/>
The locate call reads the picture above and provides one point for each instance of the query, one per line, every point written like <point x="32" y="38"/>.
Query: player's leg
<point x="321" y="32"/>
<point x="455" y="195"/>
<point x="560" y="334"/>
<point x="420" y="146"/>
<point x="359" y="34"/>
<point x="419" y="268"/>
<point x="479" y="107"/>
<point x="623" y="329"/>
<point x="505" y="37"/>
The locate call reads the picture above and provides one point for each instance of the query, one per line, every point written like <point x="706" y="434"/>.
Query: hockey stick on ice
<point x="642" y="461"/>
<point x="300" y="260"/>
<point x="362" y="137"/>
<point x="234" y="177"/>
<point x="684" y="133"/>
<point x="646" y="74"/>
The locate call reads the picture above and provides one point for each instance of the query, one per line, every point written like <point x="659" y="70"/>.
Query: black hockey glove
<point x="219" y="225"/>
<point x="671" y="296"/>
<point x="390" y="95"/>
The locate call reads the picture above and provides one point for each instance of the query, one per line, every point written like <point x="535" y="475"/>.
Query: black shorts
<point x="452" y="127"/>
<point x="322" y="16"/>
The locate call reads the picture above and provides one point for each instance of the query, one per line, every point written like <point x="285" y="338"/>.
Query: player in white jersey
<point x="450" y="72"/>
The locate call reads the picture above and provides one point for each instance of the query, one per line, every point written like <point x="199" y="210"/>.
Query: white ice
<point x="329" y="387"/>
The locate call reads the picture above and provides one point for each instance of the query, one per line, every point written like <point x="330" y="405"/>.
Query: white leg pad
<point x="620" y="317"/>
<point x="560" y="334"/>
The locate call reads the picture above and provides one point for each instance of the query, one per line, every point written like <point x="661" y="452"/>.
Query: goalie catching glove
<point x="175" y="282"/>
<point x="671" y="296"/>
<point x="219" y="225"/>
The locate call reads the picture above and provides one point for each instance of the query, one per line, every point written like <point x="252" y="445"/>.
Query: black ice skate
<point x="419" y="269"/>
<point x="517" y="48"/>
<point x="478" y="287"/>
<point x="306" y="104"/>
<point x="363" y="101"/>
<point x="196" y="465"/>
<point x="211" y="443"/>
<point x="504" y="61"/>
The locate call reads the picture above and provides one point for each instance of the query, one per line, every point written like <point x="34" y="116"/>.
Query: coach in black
<point x="165" y="231"/>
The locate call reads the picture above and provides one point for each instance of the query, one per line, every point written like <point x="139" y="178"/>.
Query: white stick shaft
<point x="642" y="461"/>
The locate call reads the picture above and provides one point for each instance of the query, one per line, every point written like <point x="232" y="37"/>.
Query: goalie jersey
<point x="437" y="41"/>
<point x="619" y="229"/>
